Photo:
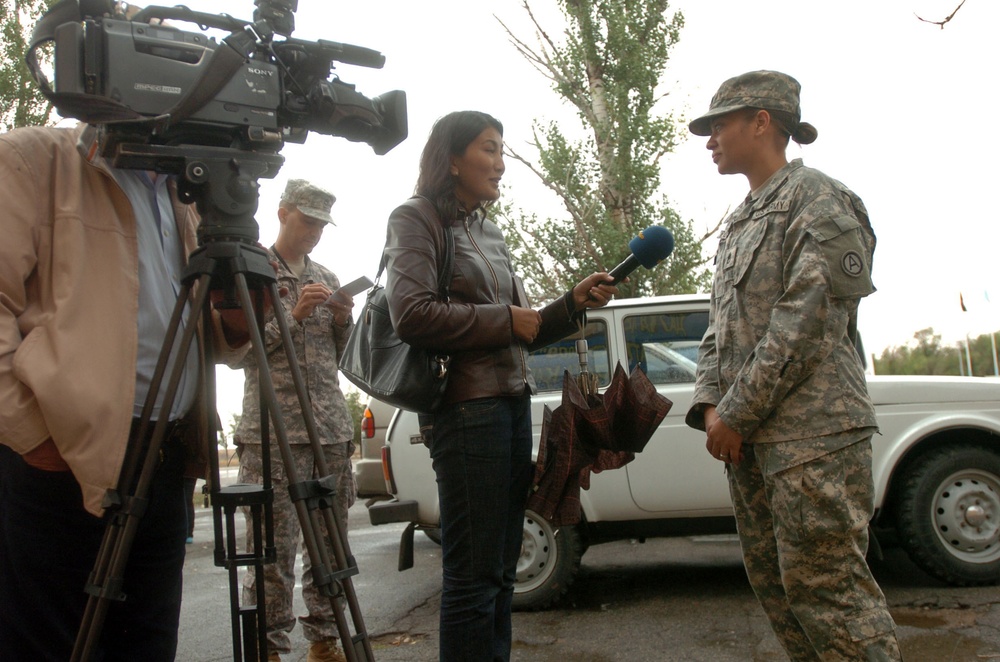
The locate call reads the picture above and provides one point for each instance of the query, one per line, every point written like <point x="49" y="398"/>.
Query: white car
<point x="936" y="460"/>
<point x="368" y="474"/>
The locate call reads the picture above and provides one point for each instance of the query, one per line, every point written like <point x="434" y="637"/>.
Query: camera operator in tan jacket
<point x="90" y="269"/>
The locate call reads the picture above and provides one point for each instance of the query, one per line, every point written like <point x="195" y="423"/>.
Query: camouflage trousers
<point x="279" y="577"/>
<point x="804" y="535"/>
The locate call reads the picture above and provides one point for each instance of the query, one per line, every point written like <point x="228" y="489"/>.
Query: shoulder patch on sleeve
<point x="852" y="263"/>
<point x="843" y="248"/>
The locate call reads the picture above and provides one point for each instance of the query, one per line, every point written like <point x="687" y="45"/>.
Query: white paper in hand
<point x="354" y="288"/>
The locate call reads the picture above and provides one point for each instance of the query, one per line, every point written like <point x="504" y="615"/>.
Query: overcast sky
<point x="905" y="112"/>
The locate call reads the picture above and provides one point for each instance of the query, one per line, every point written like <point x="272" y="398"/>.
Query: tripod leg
<point x="127" y="506"/>
<point x="239" y="495"/>
<point x="269" y="404"/>
<point x="312" y="499"/>
<point x="249" y="623"/>
<point x="318" y="512"/>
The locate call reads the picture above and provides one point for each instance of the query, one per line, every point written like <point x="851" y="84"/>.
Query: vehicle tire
<point x="550" y="559"/>
<point x="948" y="514"/>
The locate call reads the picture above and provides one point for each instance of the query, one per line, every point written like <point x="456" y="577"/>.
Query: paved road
<point x="680" y="599"/>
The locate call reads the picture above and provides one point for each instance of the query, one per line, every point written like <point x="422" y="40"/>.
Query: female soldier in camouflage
<point x="781" y="390"/>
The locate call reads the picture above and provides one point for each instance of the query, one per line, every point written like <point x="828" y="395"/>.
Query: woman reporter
<point x="481" y="439"/>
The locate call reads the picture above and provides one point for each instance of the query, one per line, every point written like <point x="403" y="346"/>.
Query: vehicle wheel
<point x="550" y="558"/>
<point x="948" y="515"/>
<point x="433" y="534"/>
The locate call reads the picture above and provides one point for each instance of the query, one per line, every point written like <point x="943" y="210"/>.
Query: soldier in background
<point x="781" y="390"/>
<point x="320" y="330"/>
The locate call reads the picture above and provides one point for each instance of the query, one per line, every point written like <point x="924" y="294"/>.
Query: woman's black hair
<point x="801" y="132"/>
<point x="450" y="136"/>
<point x="788" y="124"/>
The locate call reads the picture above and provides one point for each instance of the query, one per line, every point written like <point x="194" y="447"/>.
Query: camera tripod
<point x="223" y="183"/>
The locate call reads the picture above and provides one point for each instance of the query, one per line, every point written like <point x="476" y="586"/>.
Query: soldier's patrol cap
<point x="768" y="90"/>
<point x="309" y="199"/>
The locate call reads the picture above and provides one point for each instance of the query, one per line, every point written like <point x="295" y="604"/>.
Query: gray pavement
<point x="679" y="600"/>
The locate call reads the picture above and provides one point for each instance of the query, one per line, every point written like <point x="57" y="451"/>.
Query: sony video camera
<point x="184" y="103"/>
<point x="140" y="72"/>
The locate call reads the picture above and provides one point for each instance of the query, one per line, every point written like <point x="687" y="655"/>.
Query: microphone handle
<point x="628" y="265"/>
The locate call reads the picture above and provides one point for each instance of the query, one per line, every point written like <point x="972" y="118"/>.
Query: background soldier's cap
<point x="769" y="90"/>
<point x="309" y="199"/>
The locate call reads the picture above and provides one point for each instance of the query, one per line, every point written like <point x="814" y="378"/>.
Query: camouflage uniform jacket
<point x="778" y="359"/>
<point x="318" y="344"/>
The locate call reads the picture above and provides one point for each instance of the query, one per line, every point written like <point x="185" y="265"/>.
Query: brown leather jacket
<point x="474" y="326"/>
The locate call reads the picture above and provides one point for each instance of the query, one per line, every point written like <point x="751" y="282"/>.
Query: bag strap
<point x="445" y="273"/>
<point x="447" y="267"/>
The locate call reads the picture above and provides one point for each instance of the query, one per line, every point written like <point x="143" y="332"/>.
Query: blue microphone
<point x="649" y="248"/>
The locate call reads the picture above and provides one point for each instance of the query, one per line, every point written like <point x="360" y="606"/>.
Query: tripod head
<point x="220" y="181"/>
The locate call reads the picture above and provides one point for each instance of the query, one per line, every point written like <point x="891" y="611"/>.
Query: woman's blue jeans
<point x="482" y="457"/>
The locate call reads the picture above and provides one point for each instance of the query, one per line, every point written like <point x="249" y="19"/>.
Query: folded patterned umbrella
<point x="591" y="433"/>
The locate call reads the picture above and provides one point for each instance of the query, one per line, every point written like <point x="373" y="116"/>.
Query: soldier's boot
<point x="326" y="650"/>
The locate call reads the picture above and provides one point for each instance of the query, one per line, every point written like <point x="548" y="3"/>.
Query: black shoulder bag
<point x="385" y="367"/>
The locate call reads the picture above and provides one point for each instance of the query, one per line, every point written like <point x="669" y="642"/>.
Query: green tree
<point x="609" y="68"/>
<point x="356" y="406"/>
<point x="21" y="102"/>
<point x="234" y="424"/>
<point x="927" y="356"/>
<point x="983" y="358"/>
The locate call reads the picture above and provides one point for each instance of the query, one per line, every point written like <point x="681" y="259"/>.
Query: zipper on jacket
<point x="524" y="363"/>
<point x="496" y="296"/>
<point x="496" y="281"/>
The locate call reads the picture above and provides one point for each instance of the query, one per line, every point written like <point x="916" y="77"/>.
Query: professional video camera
<point x="112" y="70"/>
<point x="166" y="99"/>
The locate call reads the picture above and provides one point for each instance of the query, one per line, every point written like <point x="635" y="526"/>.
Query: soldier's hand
<point x="723" y="442"/>
<point x="312" y="295"/>
<point x="340" y="304"/>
